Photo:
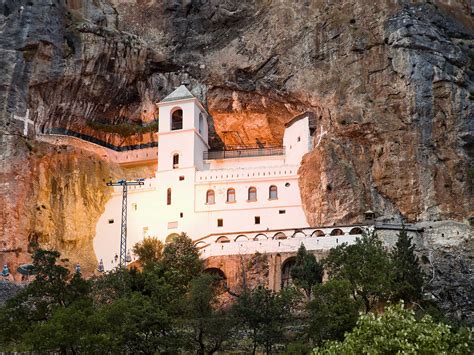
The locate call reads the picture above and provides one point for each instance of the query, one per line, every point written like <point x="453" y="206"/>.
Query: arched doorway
<point x="220" y="280"/>
<point x="286" y="267"/>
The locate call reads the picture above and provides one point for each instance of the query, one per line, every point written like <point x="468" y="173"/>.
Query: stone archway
<point x="286" y="267"/>
<point x="220" y="279"/>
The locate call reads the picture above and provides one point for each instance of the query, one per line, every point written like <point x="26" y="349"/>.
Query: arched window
<point x="230" y="195"/>
<point x="279" y="235"/>
<point x="273" y="193"/>
<point x="355" y="230"/>
<point x="260" y="237"/>
<point x="252" y="194"/>
<point x="210" y="197"/>
<point x="336" y="232"/>
<point x="175" y="161"/>
<point x="171" y="238"/>
<point x="288" y="265"/>
<point x="241" y="238"/>
<point x="177" y="120"/>
<point x="223" y="239"/>
<point x="201" y="123"/>
<point x="168" y="196"/>
<point x="318" y="233"/>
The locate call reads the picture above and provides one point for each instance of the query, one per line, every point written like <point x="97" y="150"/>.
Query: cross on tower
<point x="26" y="120"/>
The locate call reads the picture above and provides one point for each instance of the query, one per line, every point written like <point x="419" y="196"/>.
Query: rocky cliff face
<point x="391" y="85"/>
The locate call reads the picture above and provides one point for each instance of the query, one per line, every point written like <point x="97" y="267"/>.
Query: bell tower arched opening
<point x="176" y="119"/>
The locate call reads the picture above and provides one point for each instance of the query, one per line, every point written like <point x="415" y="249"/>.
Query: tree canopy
<point x="307" y="272"/>
<point x="397" y="331"/>
<point x="333" y="311"/>
<point x="149" y="251"/>
<point x="407" y="274"/>
<point x="367" y="267"/>
<point x="173" y="306"/>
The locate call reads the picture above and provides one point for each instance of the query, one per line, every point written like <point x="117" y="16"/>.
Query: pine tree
<point x="366" y="265"/>
<point x="408" y="277"/>
<point x="307" y="272"/>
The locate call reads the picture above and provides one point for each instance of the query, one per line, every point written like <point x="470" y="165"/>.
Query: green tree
<point x="366" y="265"/>
<point x="408" y="277"/>
<point x="181" y="262"/>
<point x="264" y="314"/>
<point x="140" y="324"/>
<point x="75" y="329"/>
<point x="53" y="288"/>
<point x="211" y="327"/>
<point x="149" y="251"/>
<point x="397" y="331"/>
<point x="333" y="311"/>
<point x="307" y="272"/>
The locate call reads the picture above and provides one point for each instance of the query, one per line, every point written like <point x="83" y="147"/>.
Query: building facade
<point x="206" y="193"/>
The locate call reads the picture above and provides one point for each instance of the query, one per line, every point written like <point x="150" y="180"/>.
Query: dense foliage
<point x="407" y="277"/>
<point x="173" y="306"/>
<point x="307" y="272"/>
<point x="367" y="267"/>
<point x="332" y="311"/>
<point x="397" y="331"/>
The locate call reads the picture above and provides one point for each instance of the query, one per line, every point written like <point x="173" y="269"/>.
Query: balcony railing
<point x="243" y="153"/>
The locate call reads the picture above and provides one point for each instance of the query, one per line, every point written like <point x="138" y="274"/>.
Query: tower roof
<point x="180" y="93"/>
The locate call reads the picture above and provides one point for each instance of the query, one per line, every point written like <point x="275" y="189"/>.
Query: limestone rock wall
<point x="390" y="82"/>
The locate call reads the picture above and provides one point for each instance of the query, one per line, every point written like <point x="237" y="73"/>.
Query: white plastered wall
<point x="150" y="215"/>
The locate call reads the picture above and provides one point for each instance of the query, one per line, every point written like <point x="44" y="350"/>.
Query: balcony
<point x="244" y="153"/>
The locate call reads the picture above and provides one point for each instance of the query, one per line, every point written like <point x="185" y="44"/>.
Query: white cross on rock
<point x="321" y="135"/>
<point x="26" y="120"/>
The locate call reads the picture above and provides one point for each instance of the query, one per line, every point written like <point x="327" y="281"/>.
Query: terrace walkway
<point x="277" y="241"/>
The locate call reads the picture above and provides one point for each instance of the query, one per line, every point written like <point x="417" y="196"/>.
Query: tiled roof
<point x="180" y="93"/>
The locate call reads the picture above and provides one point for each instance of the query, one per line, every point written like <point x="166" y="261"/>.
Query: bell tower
<point x="183" y="131"/>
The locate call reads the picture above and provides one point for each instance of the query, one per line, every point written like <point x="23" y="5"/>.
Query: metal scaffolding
<point x="123" y="228"/>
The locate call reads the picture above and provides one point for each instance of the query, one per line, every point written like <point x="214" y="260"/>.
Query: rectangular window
<point x="172" y="225"/>
<point x="134" y="206"/>
<point x="181" y="214"/>
<point x="282" y="211"/>
<point x="111" y="221"/>
<point x="181" y="178"/>
<point x="257" y="219"/>
<point x="220" y="222"/>
<point x="168" y="196"/>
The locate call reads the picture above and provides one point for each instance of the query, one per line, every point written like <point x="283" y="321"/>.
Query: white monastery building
<point x="209" y="195"/>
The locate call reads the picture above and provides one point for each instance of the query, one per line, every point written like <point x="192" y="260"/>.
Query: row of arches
<point x="281" y="235"/>
<point x="251" y="195"/>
